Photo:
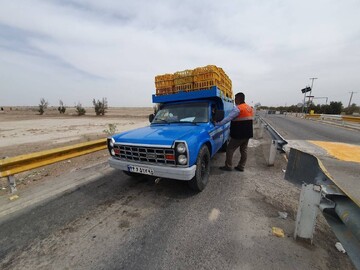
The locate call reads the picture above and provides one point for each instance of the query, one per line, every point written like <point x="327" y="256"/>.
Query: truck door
<point x="216" y="132"/>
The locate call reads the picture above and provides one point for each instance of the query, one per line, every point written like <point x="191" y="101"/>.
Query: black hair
<point x="240" y="95"/>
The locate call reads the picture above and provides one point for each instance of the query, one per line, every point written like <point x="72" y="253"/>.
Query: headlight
<point x="111" y="142"/>
<point x="181" y="148"/>
<point x="182" y="159"/>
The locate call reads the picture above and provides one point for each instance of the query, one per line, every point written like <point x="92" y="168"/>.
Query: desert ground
<point x="23" y="130"/>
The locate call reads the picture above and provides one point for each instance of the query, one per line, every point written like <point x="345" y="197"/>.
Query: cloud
<point x="86" y="48"/>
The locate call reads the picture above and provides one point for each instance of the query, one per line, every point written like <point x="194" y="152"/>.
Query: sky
<point x="78" y="50"/>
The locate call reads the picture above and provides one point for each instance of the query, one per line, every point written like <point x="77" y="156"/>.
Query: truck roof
<point x="213" y="92"/>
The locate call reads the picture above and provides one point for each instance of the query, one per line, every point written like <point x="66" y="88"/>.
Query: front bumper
<point x="178" y="173"/>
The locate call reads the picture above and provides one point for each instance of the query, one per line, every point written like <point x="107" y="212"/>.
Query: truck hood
<point x="158" y="134"/>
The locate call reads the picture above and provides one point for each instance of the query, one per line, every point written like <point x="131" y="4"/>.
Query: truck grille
<point x="145" y="154"/>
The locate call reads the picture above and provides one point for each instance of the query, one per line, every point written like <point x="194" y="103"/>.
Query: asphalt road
<point x="297" y="130"/>
<point x="116" y="222"/>
<point x="292" y="128"/>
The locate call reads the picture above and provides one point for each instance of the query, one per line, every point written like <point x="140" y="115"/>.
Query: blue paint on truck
<point x="180" y="140"/>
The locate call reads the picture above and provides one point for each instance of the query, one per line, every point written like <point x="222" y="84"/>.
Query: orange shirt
<point x="246" y="113"/>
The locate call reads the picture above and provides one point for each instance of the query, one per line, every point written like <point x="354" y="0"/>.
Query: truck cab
<point x="180" y="140"/>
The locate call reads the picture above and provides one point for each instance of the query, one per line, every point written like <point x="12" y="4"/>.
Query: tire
<point x="202" y="173"/>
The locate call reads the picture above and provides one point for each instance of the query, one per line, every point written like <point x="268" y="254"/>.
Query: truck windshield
<point x="183" y="113"/>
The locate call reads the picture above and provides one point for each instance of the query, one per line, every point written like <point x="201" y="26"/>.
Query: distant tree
<point x="294" y="108"/>
<point x="42" y="106"/>
<point x="335" y="107"/>
<point x="61" y="108"/>
<point x="325" y="108"/>
<point x="80" y="109"/>
<point x="352" y="109"/>
<point x="100" y="106"/>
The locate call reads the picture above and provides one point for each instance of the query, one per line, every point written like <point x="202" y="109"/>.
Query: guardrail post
<point x="258" y="123"/>
<point x="11" y="180"/>
<point x="310" y="197"/>
<point x="261" y="131"/>
<point x="273" y="150"/>
<point x="12" y="183"/>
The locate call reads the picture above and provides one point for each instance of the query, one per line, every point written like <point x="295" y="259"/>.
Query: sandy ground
<point x="23" y="130"/>
<point x="27" y="128"/>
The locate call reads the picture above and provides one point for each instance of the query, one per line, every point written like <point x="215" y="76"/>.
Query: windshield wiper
<point x="187" y="122"/>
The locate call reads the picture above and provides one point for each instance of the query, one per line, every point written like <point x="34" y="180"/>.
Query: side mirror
<point x="151" y="117"/>
<point x="219" y="115"/>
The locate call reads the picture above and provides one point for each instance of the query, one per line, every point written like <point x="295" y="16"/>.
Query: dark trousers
<point x="232" y="146"/>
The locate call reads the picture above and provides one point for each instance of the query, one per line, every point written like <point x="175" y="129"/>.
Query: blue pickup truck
<point x="180" y="140"/>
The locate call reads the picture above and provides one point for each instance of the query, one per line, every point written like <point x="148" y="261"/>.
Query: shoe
<point x="239" y="169"/>
<point x="225" y="168"/>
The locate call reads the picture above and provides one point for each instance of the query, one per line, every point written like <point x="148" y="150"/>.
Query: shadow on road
<point x="37" y="223"/>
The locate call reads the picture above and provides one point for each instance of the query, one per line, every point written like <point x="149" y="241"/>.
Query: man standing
<point x="241" y="130"/>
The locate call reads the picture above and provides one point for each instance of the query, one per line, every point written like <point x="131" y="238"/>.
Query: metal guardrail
<point x="13" y="165"/>
<point x="278" y="142"/>
<point x="313" y="116"/>
<point x="274" y="134"/>
<point x="351" y="119"/>
<point x="319" y="191"/>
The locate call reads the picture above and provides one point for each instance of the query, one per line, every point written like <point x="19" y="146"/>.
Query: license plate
<point x="137" y="169"/>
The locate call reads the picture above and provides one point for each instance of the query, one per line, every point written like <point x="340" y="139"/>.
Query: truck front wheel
<point x="202" y="172"/>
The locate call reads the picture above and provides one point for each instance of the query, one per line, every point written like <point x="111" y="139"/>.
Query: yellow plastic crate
<point x="164" y="84"/>
<point x="186" y="87"/>
<point x="164" y="77"/>
<point x="202" y="85"/>
<point x="206" y="73"/>
<point x="183" y="77"/>
<point x="164" y="91"/>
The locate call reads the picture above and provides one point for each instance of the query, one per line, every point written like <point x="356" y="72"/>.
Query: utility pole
<point x="352" y="92"/>
<point x="312" y="84"/>
<point x="304" y="91"/>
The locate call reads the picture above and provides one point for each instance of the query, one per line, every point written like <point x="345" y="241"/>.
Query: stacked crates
<point x="184" y="81"/>
<point x="226" y="84"/>
<point x="201" y="78"/>
<point x="164" y="84"/>
<point x="207" y="77"/>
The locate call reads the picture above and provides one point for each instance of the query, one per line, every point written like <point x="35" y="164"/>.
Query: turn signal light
<point x="170" y="157"/>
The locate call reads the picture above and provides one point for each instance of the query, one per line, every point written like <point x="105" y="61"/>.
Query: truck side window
<point x="213" y="111"/>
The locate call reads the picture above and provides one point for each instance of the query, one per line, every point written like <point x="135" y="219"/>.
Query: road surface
<point x="338" y="148"/>
<point x="292" y="128"/>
